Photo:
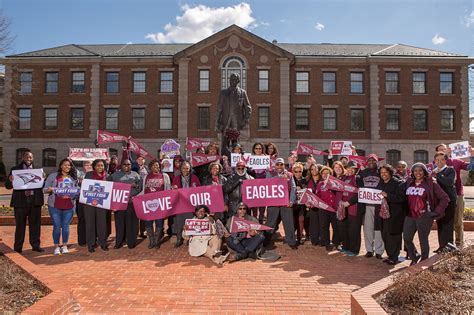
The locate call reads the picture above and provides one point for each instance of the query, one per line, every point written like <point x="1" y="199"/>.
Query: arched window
<point x="360" y="152"/>
<point x="234" y="64"/>
<point x="19" y="154"/>
<point x="420" y="156"/>
<point x="49" y="157"/>
<point x="393" y="156"/>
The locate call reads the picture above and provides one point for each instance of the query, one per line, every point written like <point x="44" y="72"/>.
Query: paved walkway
<point x="308" y="280"/>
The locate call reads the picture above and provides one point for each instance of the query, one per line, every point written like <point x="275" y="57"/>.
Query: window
<point x="203" y="80"/>
<point x="263" y="76"/>
<point x="138" y="118"/>
<point x="302" y="119"/>
<point x="50" y="118"/>
<point x="391" y="82"/>
<point x="204" y="117"/>
<point x="139" y="82"/>
<point x="420" y="156"/>
<point x="26" y="82"/>
<point x="419" y="82"/>
<point x="51" y="82"/>
<point x="357" y="120"/>
<point x="264" y="117"/>
<point x="166" y="82"/>
<point x="357" y="82"/>
<point x="77" y="118"/>
<point x="420" y="121"/>
<point x="49" y="158"/>
<point x="78" y="82"/>
<point x="112" y="82"/>
<point x="24" y="118"/>
<point x="114" y="152"/>
<point x="236" y="65"/>
<point x="393" y="156"/>
<point x="19" y="154"/>
<point x="302" y="82"/>
<point x="447" y="120"/>
<point x="393" y="119"/>
<point x="446" y="83"/>
<point x="330" y="119"/>
<point x="360" y="152"/>
<point x="329" y="82"/>
<point x="111" y="118"/>
<point x="166" y="118"/>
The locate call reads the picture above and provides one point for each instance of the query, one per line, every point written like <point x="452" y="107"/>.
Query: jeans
<point x="160" y="223"/>
<point x="61" y="220"/>
<point x="247" y="245"/>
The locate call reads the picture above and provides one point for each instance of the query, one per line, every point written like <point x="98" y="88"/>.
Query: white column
<point x="95" y="101"/>
<point x="183" y="98"/>
<point x="374" y="105"/>
<point x="285" y="103"/>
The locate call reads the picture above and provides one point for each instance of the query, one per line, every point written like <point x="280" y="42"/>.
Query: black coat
<point x="446" y="179"/>
<point x="18" y="196"/>
<point x="396" y="198"/>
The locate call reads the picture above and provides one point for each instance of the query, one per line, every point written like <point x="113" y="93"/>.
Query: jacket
<point x="51" y="181"/>
<point x="18" y="199"/>
<point x="396" y="199"/>
<point x="437" y="198"/>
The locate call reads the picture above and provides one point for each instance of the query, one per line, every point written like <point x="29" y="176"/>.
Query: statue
<point x="233" y="113"/>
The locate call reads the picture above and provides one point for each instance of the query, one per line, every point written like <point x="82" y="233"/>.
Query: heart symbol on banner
<point x="152" y="205"/>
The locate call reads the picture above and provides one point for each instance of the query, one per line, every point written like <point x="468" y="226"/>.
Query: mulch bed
<point x="446" y="287"/>
<point x="18" y="289"/>
<point x="7" y="211"/>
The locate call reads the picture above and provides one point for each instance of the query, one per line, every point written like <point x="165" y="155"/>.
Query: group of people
<point x="413" y="198"/>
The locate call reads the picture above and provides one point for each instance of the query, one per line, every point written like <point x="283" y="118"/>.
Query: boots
<point x="158" y="236"/>
<point x="151" y="237"/>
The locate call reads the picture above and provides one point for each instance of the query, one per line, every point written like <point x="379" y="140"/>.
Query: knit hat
<point x="373" y="156"/>
<point x="420" y="165"/>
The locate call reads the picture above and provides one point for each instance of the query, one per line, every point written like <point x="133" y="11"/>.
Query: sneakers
<point x="415" y="260"/>
<point x="64" y="249"/>
<point x="369" y="254"/>
<point x="57" y="250"/>
<point x="350" y="254"/>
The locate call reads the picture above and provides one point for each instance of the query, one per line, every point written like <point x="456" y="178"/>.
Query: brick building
<point x="394" y="100"/>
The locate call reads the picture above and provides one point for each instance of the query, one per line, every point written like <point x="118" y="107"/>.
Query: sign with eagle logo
<point x="28" y="179"/>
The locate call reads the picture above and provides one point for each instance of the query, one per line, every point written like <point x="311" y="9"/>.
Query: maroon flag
<point x="195" y="143"/>
<point x="201" y="159"/>
<point x="338" y="185"/>
<point x="135" y="147"/>
<point x="265" y="192"/>
<point x="241" y="225"/>
<point x="109" y="137"/>
<point x="314" y="201"/>
<point x="306" y="149"/>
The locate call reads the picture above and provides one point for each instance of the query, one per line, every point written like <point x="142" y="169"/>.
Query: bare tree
<point x="6" y="40"/>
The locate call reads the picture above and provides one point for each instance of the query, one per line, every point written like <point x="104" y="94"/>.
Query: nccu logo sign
<point x="29" y="178"/>
<point x="95" y="195"/>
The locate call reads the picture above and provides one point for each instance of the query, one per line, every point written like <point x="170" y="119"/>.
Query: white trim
<point x="51" y="70"/>
<point x="392" y="69"/>
<point x="447" y="106"/>
<point x="165" y="106"/>
<point x="420" y="106"/>
<point x="329" y="106"/>
<point x="393" y="106"/>
<point x="76" y="106"/>
<point x="137" y="106"/>
<point x="139" y="69"/>
<point x="78" y="69"/>
<point x="24" y="106"/>
<point x="357" y="70"/>
<point x="419" y="70"/>
<point x="112" y="69"/>
<point x="302" y="69"/>
<point x="166" y="69"/>
<point x="204" y="67"/>
<point x="111" y="106"/>
<point x="203" y="105"/>
<point x="329" y="69"/>
<point x="358" y="107"/>
<point x="302" y="106"/>
<point x="447" y="70"/>
<point x="263" y="105"/>
<point x="50" y="106"/>
<point x="264" y="67"/>
<point x="25" y="70"/>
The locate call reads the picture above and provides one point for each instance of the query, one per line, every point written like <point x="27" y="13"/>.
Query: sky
<point x="446" y="25"/>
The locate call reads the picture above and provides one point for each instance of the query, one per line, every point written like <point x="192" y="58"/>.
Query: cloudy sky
<point x="446" y="25"/>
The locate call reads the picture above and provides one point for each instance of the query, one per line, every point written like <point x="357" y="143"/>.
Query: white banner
<point x="28" y="179"/>
<point x="341" y="147"/>
<point x="460" y="150"/>
<point x="370" y="196"/>
<point x="259" y="162"/>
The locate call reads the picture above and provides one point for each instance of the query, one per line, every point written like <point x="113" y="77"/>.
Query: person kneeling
<point x="208" y="245"/>
<point x="247" y="243"/>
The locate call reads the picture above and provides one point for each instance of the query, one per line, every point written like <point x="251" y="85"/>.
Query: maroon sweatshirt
<point x="426" y="196"/>
<point x="326" y="195"/>
<point x="347" y="196"/>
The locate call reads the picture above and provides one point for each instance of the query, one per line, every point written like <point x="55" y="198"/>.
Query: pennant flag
<point x="201" y="159"/>
<point x="315" y="202"/>
<point x="135" y="147"/>
<point x="306" y="149"/>
<point x="338" y="185"/>
<point x="195" y="143"/>
<point x="242" y="225"/>
<point x="109" y="137"/>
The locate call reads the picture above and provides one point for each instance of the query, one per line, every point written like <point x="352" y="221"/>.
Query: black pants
<point x="446" y="225"/>
<point x="31" y="213"/>
<point x="349" y="232"/>
<point x="126" y="226"/>
<point x="96" y="225"/>
<point x="179" y="220"/>
<point x="81" y="224"/>
<point x="326" y="218"/>
<point x="314" y="226"/>
<point x="421" y="225"/>
<point x="247" y="245"/>
<point x="142" y="227"/>
<point x="392" y="242"/>
<point x="286" y="214"/>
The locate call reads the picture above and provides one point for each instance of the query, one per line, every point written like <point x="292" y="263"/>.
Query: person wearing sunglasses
<point x="232" y="187"/>
<point x="299" y="211"/>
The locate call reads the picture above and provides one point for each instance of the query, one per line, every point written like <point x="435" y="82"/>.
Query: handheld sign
<point x="259" y="162"/>
<point x="167" y="165"/>
<point x="104" y="194"/>
<point x="197" y="227"/>
<point x="88" y="154"/>
<point x="370" y="196"/>
<point x="69" y="192"/>
<point x="265" y="192"/>
<point x="341" y="147"/>
<point x="28" y="179"/>
<point x="459" y="150"/>
<point x="170" y="148"/>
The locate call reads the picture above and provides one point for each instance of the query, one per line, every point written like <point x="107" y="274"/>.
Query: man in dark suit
<point x="27" y="206"/>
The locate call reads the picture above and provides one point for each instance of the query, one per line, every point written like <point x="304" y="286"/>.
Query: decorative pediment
<point x="233" y="43"/>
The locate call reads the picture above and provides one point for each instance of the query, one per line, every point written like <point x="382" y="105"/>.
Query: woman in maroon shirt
<point x="312" y="179"/>
<point x="327" y="217"/>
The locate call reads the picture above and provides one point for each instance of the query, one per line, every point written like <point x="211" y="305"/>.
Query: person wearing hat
<point x="216" y="178"/>
<point x="370" y="178"/>
<point x="232" y="187"/>
<point x="246" y="244"/>
<point x="426" y="202"/>
<point x="285" y="212"/>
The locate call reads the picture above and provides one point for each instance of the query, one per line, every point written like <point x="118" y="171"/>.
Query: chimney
<point x="274" y="41"/>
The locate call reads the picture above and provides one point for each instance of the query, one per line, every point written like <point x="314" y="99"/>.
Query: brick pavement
<point x="308" y="280"/>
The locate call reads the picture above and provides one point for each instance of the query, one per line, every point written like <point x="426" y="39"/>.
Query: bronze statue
<point x="233" y="113"/>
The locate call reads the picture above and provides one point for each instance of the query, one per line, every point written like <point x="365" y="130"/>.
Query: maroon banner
<point x="306" y="149"/>
<point x="362" y="160"/>
<point x="109" y="137"/>
<point x="314" y="201"/>
<point x="265" y="192"/>
<point x="210" y="196"/>
<point x="242" y="225"/>
<point x="202" y="159"/>
<point x="338" y="185"/>
<point x="195" y="143"/>
<point x="135" y="147"/>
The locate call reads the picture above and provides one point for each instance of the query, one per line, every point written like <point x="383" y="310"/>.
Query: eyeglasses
<point x="279" y="164"/>
<point x="258" y="148"/>
<point x="242" y="208"/>
<point x="126" y="164"/>
<point x="240" y="168"/>
<point x="297" y="172"/>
